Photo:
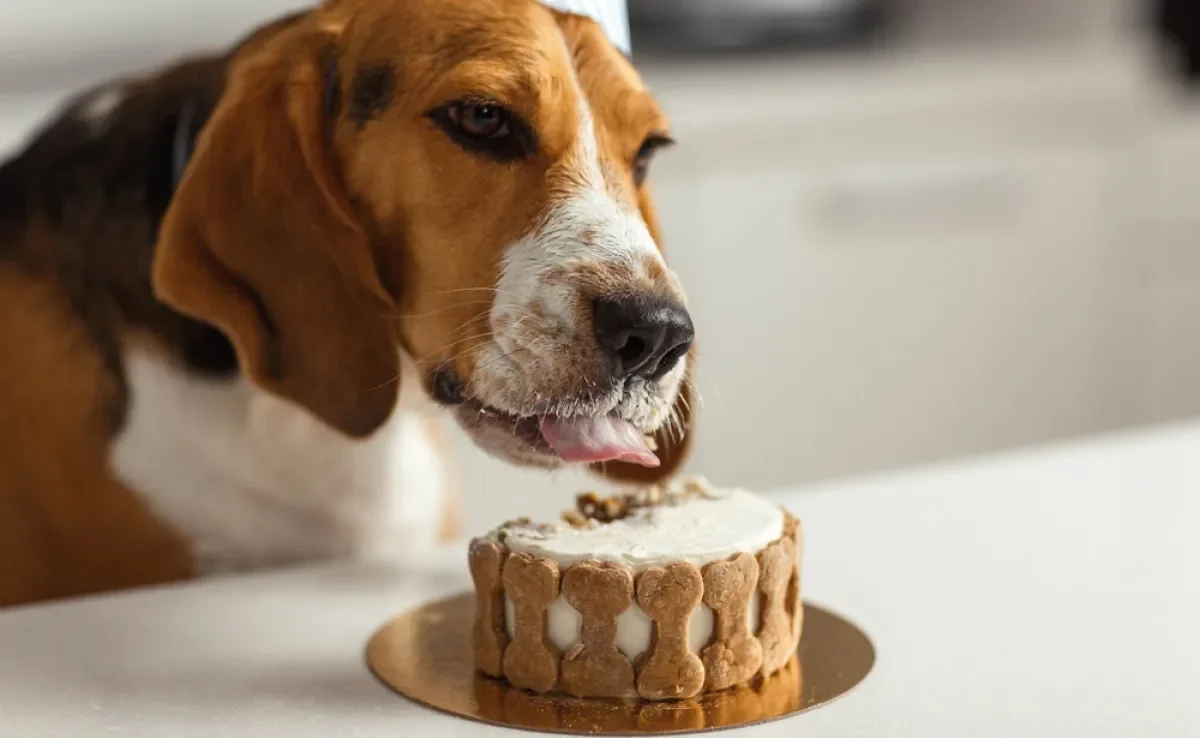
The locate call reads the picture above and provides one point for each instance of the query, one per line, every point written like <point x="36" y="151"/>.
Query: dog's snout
<point x="645" y="335"/>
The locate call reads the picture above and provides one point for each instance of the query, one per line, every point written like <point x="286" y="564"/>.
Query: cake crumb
<point x="527" y="527"/>
<point x="592" y="509"/>
<point x="602" y="510"/>
<point x="614" y="509"/>
<point x="576" y="519"/>
<point x="701" y="488"/>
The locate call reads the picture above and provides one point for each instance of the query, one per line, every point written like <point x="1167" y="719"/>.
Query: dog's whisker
<point x="684" y="401"/>
<point x="495" y="291"/>
<point x="681" y="427"/>
<point x="431" y="358"/>
<point x="675" y="427"/>
<point x="470" y="334"/>
<point x="465" y="325"/>
<point x="393" y="380"/>
<point x="453" y="336"/>
<point x="438" y="311"/>
<point x="507" y="355"/>
<point x="472" y="340"/>
<point x="460" y="290"/>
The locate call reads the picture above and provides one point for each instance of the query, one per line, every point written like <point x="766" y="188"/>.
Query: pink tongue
<point x="592" y="440"/>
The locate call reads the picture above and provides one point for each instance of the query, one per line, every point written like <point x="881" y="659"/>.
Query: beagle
<point x="237" y="296"/>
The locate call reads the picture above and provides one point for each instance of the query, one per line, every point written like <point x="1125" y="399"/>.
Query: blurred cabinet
<point x="1163" y="249"/>
<point x="901" y="262"/>
<point x="66" y="44"/>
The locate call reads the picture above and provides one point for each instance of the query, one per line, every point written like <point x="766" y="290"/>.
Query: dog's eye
<point x="480" y="121"/>
<point x="641" y="160"/>
<point x="486" y="128"/>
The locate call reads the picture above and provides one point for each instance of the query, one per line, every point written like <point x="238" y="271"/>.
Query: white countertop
<point x="1049" y="593"/>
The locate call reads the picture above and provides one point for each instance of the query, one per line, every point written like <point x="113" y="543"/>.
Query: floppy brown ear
<point x="260" y="241"/>
<point x="673" y="441"/>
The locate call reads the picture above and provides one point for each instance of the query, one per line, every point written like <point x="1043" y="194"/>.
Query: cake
<point x="657" y="594"/>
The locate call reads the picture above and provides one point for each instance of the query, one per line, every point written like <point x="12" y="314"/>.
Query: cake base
<point x="426" y="655"/>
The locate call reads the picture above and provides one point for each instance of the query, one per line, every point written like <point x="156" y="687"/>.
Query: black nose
<point x="647" y="336"/>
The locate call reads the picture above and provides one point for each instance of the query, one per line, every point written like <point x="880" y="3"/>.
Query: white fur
<point x="98" y="108"/>
<point x="590" y="226"/>
<point x="254" y="480"/>
<point x="618" y="234"/>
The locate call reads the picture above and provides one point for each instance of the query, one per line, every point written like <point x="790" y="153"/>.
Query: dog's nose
<point x="646" y="335"/>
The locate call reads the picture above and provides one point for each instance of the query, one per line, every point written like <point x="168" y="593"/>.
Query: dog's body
<point x="173" y="402"/>
<point x="190" y="448"/>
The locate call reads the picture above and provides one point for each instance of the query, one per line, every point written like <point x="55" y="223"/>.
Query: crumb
<point x="602" y="510"/>
<point x="587" y="504"/>
<point x="575" y="519"/>
<point x="614" y="508"/>
<point x="597" y="510"/>
<point x="573" y="652"/>
<point x="700" y="488"/>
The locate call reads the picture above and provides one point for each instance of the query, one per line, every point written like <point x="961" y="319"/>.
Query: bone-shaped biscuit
<point x="775" y="565"/>
<point x="486" y="559"/>
<point x="795" y="605"/>
<point x="669" y="670"/>
<point x="600" y="592"/>
<point x="735" y="655"/>
<point x="531" y="583"/>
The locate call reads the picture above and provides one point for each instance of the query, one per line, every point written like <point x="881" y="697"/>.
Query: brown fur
<point x="316" y="244"/>
<point x="67" y="527"/>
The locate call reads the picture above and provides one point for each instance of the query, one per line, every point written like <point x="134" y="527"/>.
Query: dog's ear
<point x="673" y="441"/>
<point x="261" y="241"/>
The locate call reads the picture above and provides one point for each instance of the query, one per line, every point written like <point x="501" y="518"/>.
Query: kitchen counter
<point x="1047" y="593"/>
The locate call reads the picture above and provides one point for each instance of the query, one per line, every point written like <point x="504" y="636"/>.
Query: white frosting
<point x="698" y="530"/>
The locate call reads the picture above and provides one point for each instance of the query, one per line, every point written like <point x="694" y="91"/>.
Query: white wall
<point x="61" y="42"/>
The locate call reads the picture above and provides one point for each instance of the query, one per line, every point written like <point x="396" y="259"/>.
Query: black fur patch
<point x="103" y="190"/>
<point x="333" y="87"/>
<point x="371" y="92"/>
<point x="333" y="98"/>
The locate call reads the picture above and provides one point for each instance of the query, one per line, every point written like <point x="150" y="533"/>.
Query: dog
<point x="237" y="296"/>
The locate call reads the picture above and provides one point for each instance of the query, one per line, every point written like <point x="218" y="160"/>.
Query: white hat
<point x="612" y="15"/>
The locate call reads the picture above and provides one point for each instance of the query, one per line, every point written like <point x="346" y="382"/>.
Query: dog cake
<point x="659" y="594"/>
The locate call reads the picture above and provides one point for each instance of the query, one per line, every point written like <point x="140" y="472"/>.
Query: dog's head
<point x="458" y="181"/>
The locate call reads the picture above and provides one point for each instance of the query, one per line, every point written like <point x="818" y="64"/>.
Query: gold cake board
<point x="426" y="655"/>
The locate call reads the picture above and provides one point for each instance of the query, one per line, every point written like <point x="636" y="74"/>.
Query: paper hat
<point x="612" y="16"/>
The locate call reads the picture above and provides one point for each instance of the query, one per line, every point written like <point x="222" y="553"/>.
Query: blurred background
<point x="910" y="229"/>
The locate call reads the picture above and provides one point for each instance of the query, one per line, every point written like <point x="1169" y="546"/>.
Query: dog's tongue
<point x="592" y="440"/>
